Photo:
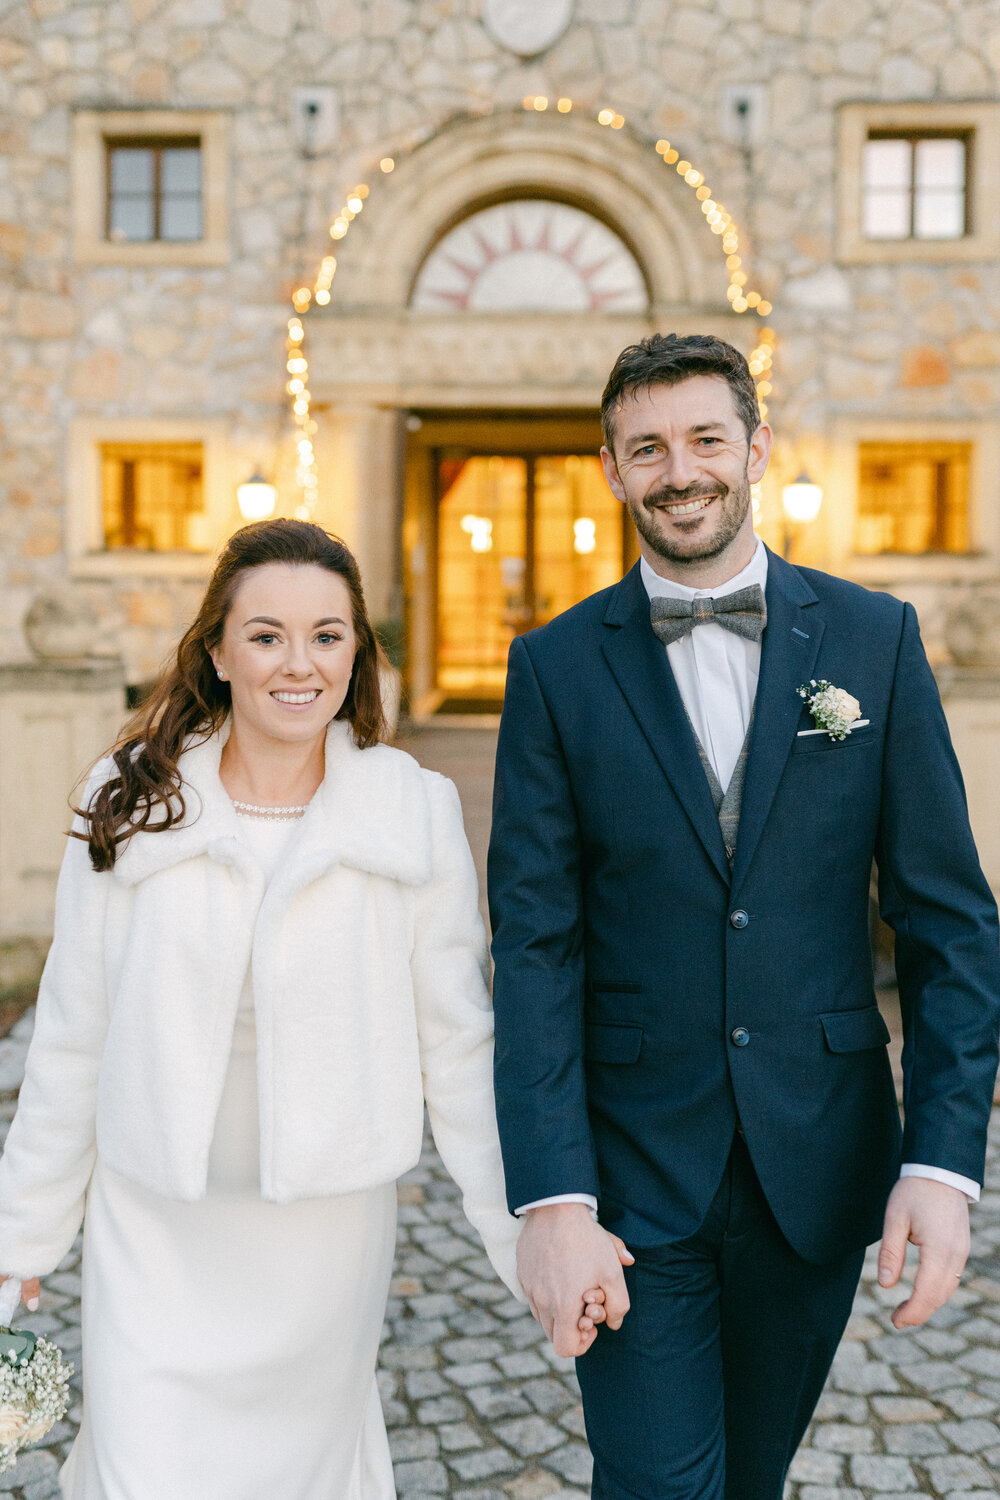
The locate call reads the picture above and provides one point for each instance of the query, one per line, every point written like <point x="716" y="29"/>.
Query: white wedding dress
<point x="229" y="1345"/>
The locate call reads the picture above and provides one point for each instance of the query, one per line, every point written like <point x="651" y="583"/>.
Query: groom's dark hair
<point x="669" y="358"/>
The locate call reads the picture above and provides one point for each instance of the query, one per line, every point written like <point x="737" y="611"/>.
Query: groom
<point x="688" y="1044"/>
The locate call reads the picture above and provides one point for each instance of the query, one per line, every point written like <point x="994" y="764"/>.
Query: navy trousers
<point x="705" y="1391"/>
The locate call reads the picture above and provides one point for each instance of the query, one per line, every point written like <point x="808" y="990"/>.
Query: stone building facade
<point x="736" y="155"/>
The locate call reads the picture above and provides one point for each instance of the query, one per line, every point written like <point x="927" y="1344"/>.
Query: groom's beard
<point x="729" y="512"/>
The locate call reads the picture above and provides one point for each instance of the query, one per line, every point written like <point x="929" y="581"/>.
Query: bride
<point x="267" y="956"/>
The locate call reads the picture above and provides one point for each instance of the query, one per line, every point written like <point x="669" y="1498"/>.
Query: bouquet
<point x="34" y="1381"/>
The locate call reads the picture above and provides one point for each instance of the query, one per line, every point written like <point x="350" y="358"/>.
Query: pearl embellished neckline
<point x="271" y="814"/>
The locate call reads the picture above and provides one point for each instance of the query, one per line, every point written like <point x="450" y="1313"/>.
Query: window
<point x="154" y="190"/>
<point x="918" y="182"/>
<point x="148" y="497"/>
<point x="913" y="497"/>
<point x="152" y="496"/>
<point x="915" y="187"/>
<point x="150" y="187"/>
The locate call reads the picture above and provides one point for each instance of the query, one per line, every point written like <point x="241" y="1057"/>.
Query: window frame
<point x="933" y="450"/>
<point x="913" y="138"/>
<point x="88" y="557"/>
<point x="95" y="132"/>
<point x="157" y="145"/>
<point x="892" y="569"/>
<point x="977" y="122"/>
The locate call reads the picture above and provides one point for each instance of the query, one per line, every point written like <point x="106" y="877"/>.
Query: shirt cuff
<point x="587" y="1198"/>
<point x="939" y="1174"/>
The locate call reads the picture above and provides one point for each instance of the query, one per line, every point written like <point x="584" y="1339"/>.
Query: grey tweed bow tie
<point x="743" y="612"/>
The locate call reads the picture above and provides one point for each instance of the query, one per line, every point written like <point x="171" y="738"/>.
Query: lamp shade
<point x="256" y="498"/>
<point x="802" y="499"/>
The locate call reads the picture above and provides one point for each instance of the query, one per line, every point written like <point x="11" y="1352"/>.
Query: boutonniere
<point x="832" y="708"/>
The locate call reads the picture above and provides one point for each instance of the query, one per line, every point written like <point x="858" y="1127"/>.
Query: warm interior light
<point x="802" y="499"/>
<point x="479" y="530"/>
<point x="256" y="498"/>
<point x="584" y="535"/>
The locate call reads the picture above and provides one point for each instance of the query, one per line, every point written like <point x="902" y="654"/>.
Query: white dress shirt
<point x="716" y="672"/>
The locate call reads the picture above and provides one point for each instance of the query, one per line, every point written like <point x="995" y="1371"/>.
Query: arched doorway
<point x="480" y="303"/>
<point x="524" y="523"/>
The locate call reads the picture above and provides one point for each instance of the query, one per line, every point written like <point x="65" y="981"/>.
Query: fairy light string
<point x="742" y="297"/>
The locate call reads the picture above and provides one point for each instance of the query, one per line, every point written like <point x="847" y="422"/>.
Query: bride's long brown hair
<point x="189" y="700"/>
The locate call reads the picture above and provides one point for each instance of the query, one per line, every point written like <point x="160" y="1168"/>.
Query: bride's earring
<point x="220" y="674"/>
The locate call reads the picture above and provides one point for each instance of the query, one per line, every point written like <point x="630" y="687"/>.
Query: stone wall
<point x="915" y="342"/>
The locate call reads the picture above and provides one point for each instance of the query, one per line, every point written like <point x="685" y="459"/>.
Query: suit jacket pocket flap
<point x="855" y="1030"/>
<point x="613" y="1044"/>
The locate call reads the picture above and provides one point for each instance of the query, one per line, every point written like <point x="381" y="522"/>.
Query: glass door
<point x="521" y="538"/>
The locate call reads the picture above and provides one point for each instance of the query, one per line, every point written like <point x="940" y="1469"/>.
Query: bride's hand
<point x="30" y="1292"/>
<point x="593" y="1309"/>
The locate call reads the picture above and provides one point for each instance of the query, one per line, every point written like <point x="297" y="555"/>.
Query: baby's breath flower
<point x="33" y="1397"/>
<point x="832" y="708"/>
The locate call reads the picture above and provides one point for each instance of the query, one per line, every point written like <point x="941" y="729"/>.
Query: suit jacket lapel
<point x="640" y="665"/>
<point x="788" y="655"/>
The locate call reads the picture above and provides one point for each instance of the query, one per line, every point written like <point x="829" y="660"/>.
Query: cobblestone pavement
<point x="479" y="1408"/>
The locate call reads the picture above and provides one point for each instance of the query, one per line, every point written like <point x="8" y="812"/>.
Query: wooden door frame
<point x="522" y="434"/>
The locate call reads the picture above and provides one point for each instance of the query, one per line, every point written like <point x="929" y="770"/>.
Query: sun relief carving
<point x="532" y="255"/>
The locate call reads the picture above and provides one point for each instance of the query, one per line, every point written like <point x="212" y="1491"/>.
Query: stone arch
<point x="472" y="163"/>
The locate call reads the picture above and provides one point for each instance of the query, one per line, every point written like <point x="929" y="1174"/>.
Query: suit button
<point x="738" y="919"/>
<point x="739" y="1036"/>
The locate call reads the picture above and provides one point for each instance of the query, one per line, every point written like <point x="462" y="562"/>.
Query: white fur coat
<point x="368" y="962"/>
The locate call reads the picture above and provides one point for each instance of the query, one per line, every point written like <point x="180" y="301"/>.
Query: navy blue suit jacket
<point x="624" y="966"/>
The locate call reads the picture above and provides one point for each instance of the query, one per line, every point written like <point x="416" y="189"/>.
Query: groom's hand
<point x="561" y="1253"/>
<point x="935" y="1217"/>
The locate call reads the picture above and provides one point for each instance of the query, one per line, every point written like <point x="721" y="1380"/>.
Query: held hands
<point x="935" y="1217"/>
<point x="571" y="1272"/>
<point x="30" y="1292"/>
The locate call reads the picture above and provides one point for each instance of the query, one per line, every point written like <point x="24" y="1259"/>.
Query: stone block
<point x="475" y="1374"/>
<point x="13" y="243"/>
<point x="982" y="1362"/>
<point x="529" y="1435"/>
<point x="95" y="378"/>
<point x="959" y="1471"/>
<point x="211" y="79"/>
<point x="879" y="1472"/>
<point x="423" y="1474"/>
<point x="41" y="316"/>
<point x="923" y="366"/>
<point x="484" y="1464"/>
<point x="811" y="1466"/>
<point x="573" y="1462"/>
<point x="839" y="1437"/>
<point x="456" y="1437"/>
<point x="906" y="1409"/>
<point x="914" y="1440"/>
<point x="976" y="350"/>
<point x="973" y="1435"/>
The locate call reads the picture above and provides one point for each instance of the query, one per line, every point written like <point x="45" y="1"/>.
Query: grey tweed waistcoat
<point x="728" y="803"/>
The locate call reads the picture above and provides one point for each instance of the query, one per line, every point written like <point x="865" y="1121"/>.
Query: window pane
<point x="131" y="170"/>
<point x="482" y="541"/>
<point x="886" y="214"/>
<point x="913" y="497"/>
<point x="131" y="219"/>
<point x="152" y="495"/>
<point x="180" y="169"/>
<point x="887" y="164"/>
<point x="578" y="534"/>
<point x="939" y="215"/>
<point x="940" y="163"/>
<point x="180" y="219"/>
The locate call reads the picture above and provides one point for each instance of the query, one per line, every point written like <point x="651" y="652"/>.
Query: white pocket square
<point x="858" y="724"/>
